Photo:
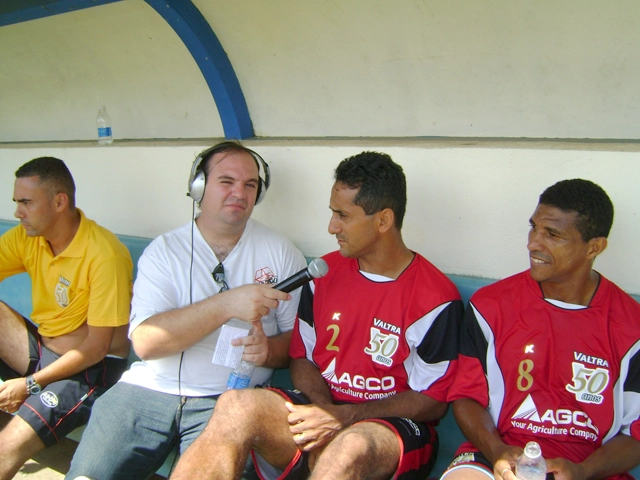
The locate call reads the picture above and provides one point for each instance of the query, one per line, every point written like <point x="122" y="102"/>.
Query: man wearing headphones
<point x="218" y="270"/>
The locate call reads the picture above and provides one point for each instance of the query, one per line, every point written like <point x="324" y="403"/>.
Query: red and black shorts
<point x="418" y="443"/>
<point x="476" y="461"/>
<point x="64" y="405"/>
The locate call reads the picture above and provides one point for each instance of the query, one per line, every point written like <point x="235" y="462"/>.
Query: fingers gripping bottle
<point x="241" y="376"/>
<point x="531" y="464"/>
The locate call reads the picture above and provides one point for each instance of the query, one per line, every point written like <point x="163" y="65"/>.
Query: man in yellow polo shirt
<point x="75" y="346"/>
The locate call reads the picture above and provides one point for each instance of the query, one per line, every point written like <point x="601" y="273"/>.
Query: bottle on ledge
<point x="531" y="464"/>
<point x="241" y="376"/>
<point x="103" y="121"/>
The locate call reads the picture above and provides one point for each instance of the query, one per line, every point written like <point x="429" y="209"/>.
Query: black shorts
<point x="418" y="441"/>
<point x="64" y="405"/>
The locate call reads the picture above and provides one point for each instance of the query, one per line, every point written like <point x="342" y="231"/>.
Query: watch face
<point x="34" y="389"/>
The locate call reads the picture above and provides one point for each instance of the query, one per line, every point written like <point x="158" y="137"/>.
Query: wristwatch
<point x="33" y="388"/>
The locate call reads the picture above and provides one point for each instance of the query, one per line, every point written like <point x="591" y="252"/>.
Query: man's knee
<point x="235" y="409"/>
<point x="234" y="402"/>
<point x="19" y="432"/>
<point x="248" y="412"/>
<point x="19" y="443"/>
<point x="466" y="473"/>
<point x="246" y="403"/>
<point x="366" y="443"/>
<point x="355" y="453"/>
<point x="355" y="441"/>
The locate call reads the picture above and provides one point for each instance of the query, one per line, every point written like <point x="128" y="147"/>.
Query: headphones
<point x="198" y="180"/>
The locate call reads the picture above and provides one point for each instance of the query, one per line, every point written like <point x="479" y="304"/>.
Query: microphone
<point x="316" y="269"/>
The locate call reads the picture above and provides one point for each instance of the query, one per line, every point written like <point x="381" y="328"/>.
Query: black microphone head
<point x="318" y="268"/>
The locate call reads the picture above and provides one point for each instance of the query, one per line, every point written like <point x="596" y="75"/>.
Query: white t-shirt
<point x="163" y="283"/>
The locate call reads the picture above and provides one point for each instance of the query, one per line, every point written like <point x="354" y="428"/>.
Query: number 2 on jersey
<point x="336" y="331"/>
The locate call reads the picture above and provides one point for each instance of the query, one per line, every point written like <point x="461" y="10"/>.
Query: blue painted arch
<point x="194" y="31"/>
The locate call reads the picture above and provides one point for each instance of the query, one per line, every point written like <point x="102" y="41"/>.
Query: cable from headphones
<point x="193" y="214"/>
<point x="193" y="222"/>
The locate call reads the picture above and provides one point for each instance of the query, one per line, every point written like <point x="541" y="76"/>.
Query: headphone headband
<point x="198" y="180"/>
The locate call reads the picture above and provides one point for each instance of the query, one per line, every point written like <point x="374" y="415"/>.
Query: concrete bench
<point x="16" y="291"/>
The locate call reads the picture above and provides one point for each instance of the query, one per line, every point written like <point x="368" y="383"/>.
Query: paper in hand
<point x="226" y="354"/>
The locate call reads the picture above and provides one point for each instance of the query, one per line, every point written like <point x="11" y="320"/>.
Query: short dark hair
<point x="54" y="173"/>
<point x="228" y="146"/>
<point x="381" y="181"/>
<point x="588" y="200"/>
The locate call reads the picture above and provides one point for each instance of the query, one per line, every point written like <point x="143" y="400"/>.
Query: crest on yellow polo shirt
<point x="62" y="292"/>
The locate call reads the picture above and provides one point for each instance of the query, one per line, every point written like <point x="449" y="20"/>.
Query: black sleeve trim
<point x="632" y="382"/>
<point x="305" y="307"/>
<point x="440" y="344"/>
<point x="472" y="341"/>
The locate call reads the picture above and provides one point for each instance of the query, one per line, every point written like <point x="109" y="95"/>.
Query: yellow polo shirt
<point x="90" y="281"/>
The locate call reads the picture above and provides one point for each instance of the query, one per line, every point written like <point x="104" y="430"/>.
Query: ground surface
<point x="52" y="463"/>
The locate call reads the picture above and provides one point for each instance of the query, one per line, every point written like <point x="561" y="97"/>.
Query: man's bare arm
<point x="92" y="349"/>
<point x="174" y="331"/>
<point x="477" y="426"/>
<point x="618" y="455"/>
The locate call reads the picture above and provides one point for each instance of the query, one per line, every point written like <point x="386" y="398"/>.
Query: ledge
<point x="609" y="145"/>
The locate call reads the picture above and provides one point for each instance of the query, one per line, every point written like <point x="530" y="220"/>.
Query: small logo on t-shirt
<point x="49" y="399"/>
<point x="588" y="382"/>
<point x="62" y="292"/>
<point x="383" y="345"/>
<point x="265" y="276"/>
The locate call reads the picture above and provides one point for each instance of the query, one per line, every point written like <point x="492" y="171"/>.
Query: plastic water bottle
<point x="531" y="464"/>
<point x="103" y="121"/>
<point x="241" y="376"/>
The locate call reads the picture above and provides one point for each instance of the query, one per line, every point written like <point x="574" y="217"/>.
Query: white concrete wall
<point x="316" y="68"/>
<point x="468" y="210"/>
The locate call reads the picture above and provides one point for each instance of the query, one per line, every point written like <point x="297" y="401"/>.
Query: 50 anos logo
<point x="588" y="383"/>
<point x="382" y="346"/>
<point x="62" y="293"/>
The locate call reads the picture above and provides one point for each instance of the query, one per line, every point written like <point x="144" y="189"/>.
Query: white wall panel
<point x="469" y="203"/>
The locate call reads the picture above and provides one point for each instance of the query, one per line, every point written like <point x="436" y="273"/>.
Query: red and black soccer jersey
<point x="373" y="337"/>
<point x="563" y="375"/>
